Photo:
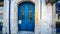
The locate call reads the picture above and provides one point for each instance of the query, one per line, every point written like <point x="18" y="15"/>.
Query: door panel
<point x="21" y="17"/>
<point x="26" y="12"/>
<point x="31" y="17"/>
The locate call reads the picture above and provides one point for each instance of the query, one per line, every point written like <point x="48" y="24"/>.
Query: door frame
<point x="14" y="14"/>
<point x="16" y="11"/>
<point x="28" y="12"/>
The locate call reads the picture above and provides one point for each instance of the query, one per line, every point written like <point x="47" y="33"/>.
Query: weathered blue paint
<point x="26" y="25"/>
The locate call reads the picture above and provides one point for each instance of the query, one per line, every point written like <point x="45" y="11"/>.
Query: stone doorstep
<point x="26" y="32"/>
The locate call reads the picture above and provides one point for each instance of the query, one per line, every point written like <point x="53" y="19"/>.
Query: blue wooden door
<point x="26" y="16"/>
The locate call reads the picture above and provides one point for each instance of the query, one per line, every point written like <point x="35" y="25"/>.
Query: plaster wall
<point x="6" y="17"/>
<point x="46" y="20"/>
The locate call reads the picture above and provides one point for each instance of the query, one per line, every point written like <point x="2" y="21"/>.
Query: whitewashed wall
<point x="46" y="21"/>
<point x="42" y="26"/>
<point x="6" y="17"/>
<point x="13" y="23"/>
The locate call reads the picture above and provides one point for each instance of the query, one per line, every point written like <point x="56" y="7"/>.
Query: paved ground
<point x="25" y="32"/>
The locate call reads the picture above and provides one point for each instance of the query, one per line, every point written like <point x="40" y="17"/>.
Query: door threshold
<point x="26" y="32"/>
